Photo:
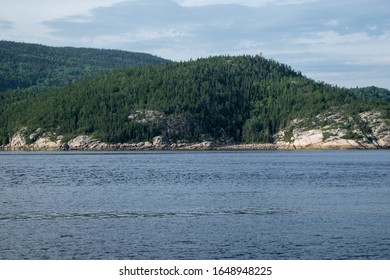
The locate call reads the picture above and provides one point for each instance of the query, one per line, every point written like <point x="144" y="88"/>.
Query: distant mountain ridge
<point x="374" y="92"/>
<point x="25" y="65"/>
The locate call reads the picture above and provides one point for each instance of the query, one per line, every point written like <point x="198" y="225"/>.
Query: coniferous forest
<point x="25" y="65"/>
<point x="225" y="98"/>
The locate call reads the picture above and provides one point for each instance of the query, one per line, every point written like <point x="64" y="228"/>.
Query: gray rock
<point x="34" y="136"/>
<point x="65" y="147"/>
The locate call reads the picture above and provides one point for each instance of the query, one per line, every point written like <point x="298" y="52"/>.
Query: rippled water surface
<point x="195" y="205"/>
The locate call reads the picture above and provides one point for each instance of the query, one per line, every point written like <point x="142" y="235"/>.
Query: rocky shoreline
<point x="331" y="132"/>
<point x="87" y="143"/>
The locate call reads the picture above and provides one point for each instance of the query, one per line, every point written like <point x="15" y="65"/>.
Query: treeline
<point x="240" y="99"/>
<point x="373" y="92"/>
<point x="25" y="65"/>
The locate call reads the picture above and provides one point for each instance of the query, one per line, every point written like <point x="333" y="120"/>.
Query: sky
<point x="340" y="42"/>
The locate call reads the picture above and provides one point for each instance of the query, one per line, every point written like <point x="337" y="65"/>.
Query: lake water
<point x="195" y="205"/>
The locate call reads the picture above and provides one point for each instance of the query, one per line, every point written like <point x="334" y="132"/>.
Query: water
<point x="195" y="205"/>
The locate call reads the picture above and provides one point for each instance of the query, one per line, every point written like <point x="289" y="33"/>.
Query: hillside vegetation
<point x="373" y="92"/>
<point x="225" y="99"/>
<point x="26" y="65"/>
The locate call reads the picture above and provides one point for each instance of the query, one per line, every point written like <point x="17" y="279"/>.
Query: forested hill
<point x="24" y="65"/>
<point x="240" y="99"/>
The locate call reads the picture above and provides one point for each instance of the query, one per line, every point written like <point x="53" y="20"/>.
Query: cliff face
<point x="369" y="130"/>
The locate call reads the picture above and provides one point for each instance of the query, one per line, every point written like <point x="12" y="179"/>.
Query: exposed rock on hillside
<point x="84" y="142"/>
<point x="146" y="116"/>
<point x="380" y="128"/>
<point x="44" y="141"/>
<point x="333" y="131"/>
<point x="18" y="141"/>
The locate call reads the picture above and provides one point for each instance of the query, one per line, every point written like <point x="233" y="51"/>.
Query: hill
<point x="220" y="100"/>
<point x="25" y="65"/>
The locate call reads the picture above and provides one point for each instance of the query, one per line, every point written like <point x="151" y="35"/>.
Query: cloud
<point x="154" y="23"/>
<point x="349" y="59"/>
<point x="48" y="9"/>
<point x="331" y="23"/>
<point x="28" y="18"/>
<point x="214" y="27"/>
<point x="5" y="25"/>
<point x="334" y="38"/>
<point x="249" y="3"/>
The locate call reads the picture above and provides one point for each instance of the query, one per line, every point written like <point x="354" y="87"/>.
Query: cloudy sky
<point x="343" y="42"/>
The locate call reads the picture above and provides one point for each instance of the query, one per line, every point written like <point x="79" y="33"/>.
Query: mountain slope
<point x="222" y="99"/>
<point x="24" y="65"/>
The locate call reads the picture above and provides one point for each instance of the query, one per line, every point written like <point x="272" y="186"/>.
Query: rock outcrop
<point x="40" y="141"/>
<point x="368" y="131"/>
<point x="18" y="141"/>
<point x="380" y="128"/>
<point x="46" y="144"/>
<point x="84" y="142"/>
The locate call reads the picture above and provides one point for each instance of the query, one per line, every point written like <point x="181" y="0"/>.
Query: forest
<point x="25" y="65"/>
<point x="240" y="99"/>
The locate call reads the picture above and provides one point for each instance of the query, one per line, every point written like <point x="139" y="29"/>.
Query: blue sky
<point x="340" y="42"/>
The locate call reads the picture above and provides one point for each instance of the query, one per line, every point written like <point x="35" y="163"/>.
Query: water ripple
<point x="140" y="214"/>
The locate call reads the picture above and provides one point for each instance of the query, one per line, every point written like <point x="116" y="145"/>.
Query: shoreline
<point x="190" y="147"/>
